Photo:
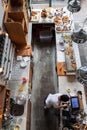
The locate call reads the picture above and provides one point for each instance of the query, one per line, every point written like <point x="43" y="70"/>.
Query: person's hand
<point x="65" y="105"/>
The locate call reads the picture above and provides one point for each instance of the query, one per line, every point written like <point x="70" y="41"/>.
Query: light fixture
<point x="81" y="75"/>
<point x="50" y="3"/>
<point x="79" y="36"/>
<point x="74" y="6"/>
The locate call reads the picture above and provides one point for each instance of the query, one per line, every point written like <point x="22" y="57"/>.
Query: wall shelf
<point x="16" y="22"/>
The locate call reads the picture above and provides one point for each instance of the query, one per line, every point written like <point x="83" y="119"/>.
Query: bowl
<point x="21" y="100"/>
<point x="23" y="64"/>
<point x="17" y="127"/>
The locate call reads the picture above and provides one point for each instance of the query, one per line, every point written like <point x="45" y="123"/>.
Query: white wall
<point x="1" y="13"/>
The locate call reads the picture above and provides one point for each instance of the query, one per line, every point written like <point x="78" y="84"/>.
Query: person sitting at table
<point x="55" y="101"/>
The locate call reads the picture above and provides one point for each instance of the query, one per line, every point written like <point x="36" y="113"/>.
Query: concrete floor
<point x="44" y="82"/>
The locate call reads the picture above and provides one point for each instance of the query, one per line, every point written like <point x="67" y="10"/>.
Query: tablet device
<point x="74" y="103"/>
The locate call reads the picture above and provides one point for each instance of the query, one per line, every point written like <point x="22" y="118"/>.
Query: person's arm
<point x="63" y="106"/>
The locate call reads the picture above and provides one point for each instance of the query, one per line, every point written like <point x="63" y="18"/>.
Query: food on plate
<point x="65" y="28"/>
<point x="35" y="17"/>
<point x="73" y="60"/>
<point x="74" y="65"/>
<point x="70" y="50"/>
<point x="59" y="23"/>
<point x="70" y="44"/>
<point x="57" y="9"/>
<point x="71" y="56"/>
<point x="44" y="10"/>
<point x="76" y="127"/>
<point x="58" y="29"/>
<point x="67" y="38"/>
<point x="50" y="15"/>
<point x="44" y="13"/>
<point x="57" y="19"/>
<point x="49" y="9"/>
<point x="67" y="50"/>
<point x="33" y="13"/>
<point x="58" y="14"/>
<point x="17" y="127"/>
<point x="65" y="19"/>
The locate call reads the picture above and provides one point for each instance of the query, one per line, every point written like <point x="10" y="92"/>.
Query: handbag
<point x="16" y="109"/>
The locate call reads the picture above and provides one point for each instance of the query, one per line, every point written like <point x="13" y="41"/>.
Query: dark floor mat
<point x="44" y="82"/>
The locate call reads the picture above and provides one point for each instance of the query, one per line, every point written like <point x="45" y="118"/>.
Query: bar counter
<point x="64" y="81"/>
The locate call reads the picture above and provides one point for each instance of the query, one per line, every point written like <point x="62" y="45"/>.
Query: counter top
<point x="14" y="84"/>
<point x="67" y="82"/>
<point x="61" y="54"/>
<point x="51" y="13"/>
<point x="73" y="86"/>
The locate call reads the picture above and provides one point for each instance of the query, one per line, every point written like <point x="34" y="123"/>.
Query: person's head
<point x="64" y="98"/>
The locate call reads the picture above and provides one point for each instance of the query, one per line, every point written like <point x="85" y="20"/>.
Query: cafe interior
<point x="43" y="50"/>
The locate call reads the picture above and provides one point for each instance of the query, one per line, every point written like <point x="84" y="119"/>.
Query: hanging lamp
<point x="80" y="36"/>
<point x="81" y="75"/>
<point x="74" y="6"/>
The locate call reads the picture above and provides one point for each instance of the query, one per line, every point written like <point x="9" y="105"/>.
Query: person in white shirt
<point x="54" y="100"/>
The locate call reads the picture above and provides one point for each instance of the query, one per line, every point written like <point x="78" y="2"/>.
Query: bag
<point x="16" y="109"/>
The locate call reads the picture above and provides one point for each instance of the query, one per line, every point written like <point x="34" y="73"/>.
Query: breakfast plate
<point x="34" y="16"/>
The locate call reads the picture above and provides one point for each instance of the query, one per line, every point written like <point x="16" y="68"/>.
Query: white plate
<point x="23" y="64"/>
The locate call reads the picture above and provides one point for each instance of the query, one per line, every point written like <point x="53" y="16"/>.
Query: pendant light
<point x="74" y="6"/>
<point x="50" y="3"/>
<point x="80" y="36"/>
<point x="81" y="75"/>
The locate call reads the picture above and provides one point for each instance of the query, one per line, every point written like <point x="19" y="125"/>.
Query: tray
<point x="69" y="55"/>
<point x="61" y="67"/>
<point x="26" y="51"/>
<point x="35" y="18"/>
